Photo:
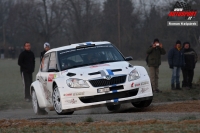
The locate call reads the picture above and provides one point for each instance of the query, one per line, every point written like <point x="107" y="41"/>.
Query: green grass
<point x="88" y="119"/>
<point x="191" y="117"/>
<point x="12" y="92"/>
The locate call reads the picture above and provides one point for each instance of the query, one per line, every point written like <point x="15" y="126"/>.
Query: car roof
<point x="75" y="45"/>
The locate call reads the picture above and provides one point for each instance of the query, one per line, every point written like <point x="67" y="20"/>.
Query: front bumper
<point x="136" y="91"/>
<point x="108" y="103"/>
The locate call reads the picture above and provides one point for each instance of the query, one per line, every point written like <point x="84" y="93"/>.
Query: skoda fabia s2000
<point x="86" y="75"/>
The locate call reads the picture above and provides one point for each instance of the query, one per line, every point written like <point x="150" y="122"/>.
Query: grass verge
<point x="23" y="126"/>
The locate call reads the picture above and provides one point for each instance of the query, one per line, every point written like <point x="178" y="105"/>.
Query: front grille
<point x="105" y="82"/>
<point x="109" y="96"/>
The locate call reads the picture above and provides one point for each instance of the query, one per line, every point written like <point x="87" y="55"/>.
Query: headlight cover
<point x="77" y="83"/>
<point x="133" y="75"/>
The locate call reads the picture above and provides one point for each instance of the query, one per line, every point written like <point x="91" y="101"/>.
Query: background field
<point x="12" y="93"/>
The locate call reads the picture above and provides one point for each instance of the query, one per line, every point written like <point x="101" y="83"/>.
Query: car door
<point x="44" y="67"/>
<point x="52" y="71"/>
<point x="48" y="73"/>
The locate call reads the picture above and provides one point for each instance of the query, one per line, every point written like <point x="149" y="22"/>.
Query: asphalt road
<point x="97" y="114"/>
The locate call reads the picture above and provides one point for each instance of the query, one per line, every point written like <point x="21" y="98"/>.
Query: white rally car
<point x="87" y="75"/>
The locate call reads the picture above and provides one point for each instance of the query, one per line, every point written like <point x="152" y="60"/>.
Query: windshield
<point x="72" y="58"/>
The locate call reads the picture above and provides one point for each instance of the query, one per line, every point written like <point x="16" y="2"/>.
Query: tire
<point x="57" y="102"/>
<point x="37" y="110"/>
<point x="113" y="107"/>
<point x="67" y="113"/>
<point x="142" y="104"/>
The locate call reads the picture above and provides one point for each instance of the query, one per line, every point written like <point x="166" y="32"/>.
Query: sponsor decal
<point x="116" y="100"/>
<point x="64" y="71"/>
<point x="47" y="93"/>
<point x="99" y="65"/>
<point x="72" y="101"/>
<point x="78" y="93"/>
<point x="51" y="77"/>
<point x="144" y="89"/>
<point x="109" y="72"/>
<point x="137" y="84"/>
<point x="68" y="94"/>
<point x="145" y="83"/>
<point x="132" y="85"/>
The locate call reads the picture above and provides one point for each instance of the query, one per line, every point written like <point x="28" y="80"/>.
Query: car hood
<point x="99" y="70"/>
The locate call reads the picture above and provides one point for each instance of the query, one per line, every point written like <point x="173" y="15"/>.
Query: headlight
<point x="77" y="83"/>
<point x="133" y="75"/>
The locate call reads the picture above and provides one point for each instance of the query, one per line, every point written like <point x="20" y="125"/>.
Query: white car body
<point x="107" y="84"/>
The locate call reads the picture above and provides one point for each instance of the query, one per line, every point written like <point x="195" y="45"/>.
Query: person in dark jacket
<point x="26" y="61"/>
<point x="190" y="58"/>
<point x="154" y="61"/>
<point x="176" y="61"/>
<point x="46" y="48"/>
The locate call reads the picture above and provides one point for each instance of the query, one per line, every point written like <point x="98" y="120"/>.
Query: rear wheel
<point x="37" y="110"/>
<point x="113" y="107"/>
<point x="142" y="104"/>
<point x="57" y="103"/>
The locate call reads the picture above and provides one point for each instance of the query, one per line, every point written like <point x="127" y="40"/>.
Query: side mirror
<point x="53" y="70"/>
<point x="129" y="58"/>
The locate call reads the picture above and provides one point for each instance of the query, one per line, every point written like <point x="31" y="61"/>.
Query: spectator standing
<point x="154" y="61"/>
<point x="176" y="62"/>
<point x="190" y="58"/>
<point x="26" y="62"/>
<point x="2" y="53"/>
<point x="46" y="48"/>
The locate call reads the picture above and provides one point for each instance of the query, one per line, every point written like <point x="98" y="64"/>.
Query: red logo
<point x="51" y="77"/>
<point x="68" y="94"/>
<point x="182" y="13"/>
<point x="132" y="85"/>
<point x="137" y="84"/>
<point x="99" y="65"/>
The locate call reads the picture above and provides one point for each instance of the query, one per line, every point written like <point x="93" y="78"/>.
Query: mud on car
<point x="87" y="75"/>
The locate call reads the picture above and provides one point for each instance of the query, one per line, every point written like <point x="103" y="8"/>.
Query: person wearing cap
<point x="176" y="62"/>
<point x="190" y="58"/>
<point x="154" y="61"/>
<point x="46" y="48"/>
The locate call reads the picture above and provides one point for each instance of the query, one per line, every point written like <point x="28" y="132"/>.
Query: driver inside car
<point x="67" y="63"/>
<point x="91" y="58"/>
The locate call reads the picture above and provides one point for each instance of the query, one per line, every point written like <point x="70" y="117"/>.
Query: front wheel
<point x="37" y="110"/>
<point x="57" y="103"/>
<point x="142" y="104"/>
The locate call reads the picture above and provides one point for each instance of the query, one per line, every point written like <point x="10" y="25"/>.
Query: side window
<point x="44" y="63"/>
<point x="52" y="62"/>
